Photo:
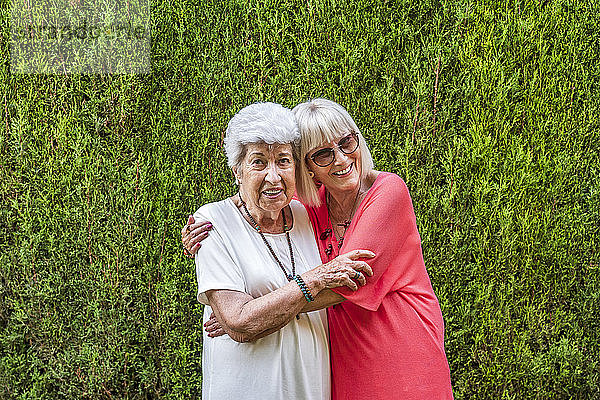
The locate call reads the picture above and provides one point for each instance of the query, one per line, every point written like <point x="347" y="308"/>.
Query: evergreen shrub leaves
<point x="489" y="111"/>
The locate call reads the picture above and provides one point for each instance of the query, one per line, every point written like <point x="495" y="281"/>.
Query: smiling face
<point x="266" y="175"/>
<point x="343" y="174"/>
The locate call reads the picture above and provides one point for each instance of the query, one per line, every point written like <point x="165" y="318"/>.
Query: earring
<point x="311" y="174"/>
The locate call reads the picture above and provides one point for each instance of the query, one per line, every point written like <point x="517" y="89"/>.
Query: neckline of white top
<point x="250" y="227"/>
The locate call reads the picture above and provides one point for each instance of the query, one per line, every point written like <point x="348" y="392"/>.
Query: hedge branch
<point x="415" y="120"/>
<point x="435" y="91"/>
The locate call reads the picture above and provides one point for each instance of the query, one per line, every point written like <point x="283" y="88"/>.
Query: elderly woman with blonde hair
<point x="255" y="271"/>
<point x="387" y="338"/>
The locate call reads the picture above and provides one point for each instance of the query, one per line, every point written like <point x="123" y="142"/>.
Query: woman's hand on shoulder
<point x="345" y="270"/>
<point x="193" y="233"/>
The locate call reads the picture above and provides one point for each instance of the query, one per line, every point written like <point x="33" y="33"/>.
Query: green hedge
<point x="490" y="112"/>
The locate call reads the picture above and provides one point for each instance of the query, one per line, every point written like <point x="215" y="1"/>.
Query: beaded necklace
<point x="287" y="235"/>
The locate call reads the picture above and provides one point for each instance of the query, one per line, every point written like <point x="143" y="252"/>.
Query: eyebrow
<point x="257" y="153"/>
<point x="324" y="146"/>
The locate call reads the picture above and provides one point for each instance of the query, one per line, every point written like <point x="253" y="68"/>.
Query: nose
<point x="339" y="156"/>
<point x="273" y="175"/>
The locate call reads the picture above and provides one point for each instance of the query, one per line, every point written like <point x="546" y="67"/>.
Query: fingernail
<point x="209" y="226"/>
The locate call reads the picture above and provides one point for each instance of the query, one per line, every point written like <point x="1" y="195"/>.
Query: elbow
<point x="241" y="331"/>
<point x="238" y="326"/>
<point x="241" y="337"/>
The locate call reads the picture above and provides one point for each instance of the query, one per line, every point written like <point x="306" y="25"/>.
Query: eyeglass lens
<point x="347" y="145"/>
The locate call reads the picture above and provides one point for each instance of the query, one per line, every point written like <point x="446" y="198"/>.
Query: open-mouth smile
<point x="345" y="171"/>
<point x="272" y="193"/>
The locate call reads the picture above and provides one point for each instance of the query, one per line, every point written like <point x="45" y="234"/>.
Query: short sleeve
<point x="215" y="267"/>
<point x="385" y="224"/>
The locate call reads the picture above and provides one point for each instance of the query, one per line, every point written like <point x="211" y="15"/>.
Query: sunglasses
<point x="347" y="145"/>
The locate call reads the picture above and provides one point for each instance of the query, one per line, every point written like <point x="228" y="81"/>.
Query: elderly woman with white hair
<point x="387" y="339"/>
<point x="255" y="271"/>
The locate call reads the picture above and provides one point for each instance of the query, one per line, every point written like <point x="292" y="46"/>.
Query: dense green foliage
<point x="489" y="112"/>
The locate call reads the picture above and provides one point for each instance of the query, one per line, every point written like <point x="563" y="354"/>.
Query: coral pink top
<point x="387" y="338"/>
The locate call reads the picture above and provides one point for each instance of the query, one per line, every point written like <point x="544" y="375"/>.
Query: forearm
<point x="325" y="298"/>
<point x="270" y="312"/>
<point x="263" y="333"/>
<point x="245" y="337"/>
<point x="245" y="318"/>
<point x="255" y="318"/>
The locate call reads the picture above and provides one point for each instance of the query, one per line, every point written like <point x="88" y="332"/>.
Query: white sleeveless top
<point x="292" y="363"/>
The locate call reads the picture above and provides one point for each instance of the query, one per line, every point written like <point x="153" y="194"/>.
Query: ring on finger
<point x="187" y="253"/>
<point x="357" y="275"/>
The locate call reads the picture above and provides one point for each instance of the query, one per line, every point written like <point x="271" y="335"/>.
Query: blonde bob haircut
<point x="321" y="121"/>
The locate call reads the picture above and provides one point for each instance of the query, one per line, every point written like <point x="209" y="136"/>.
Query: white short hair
<point x="322" y="121"/>
<point x="260" y="123"/>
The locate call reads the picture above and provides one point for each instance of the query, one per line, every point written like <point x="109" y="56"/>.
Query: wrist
<point x="313" y="283"/>
<point x="304" y="288"/>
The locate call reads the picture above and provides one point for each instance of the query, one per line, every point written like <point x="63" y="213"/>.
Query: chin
<point x="272" y="207"/>
<point x="275" y="205"/>
<point x="350" y="181"/>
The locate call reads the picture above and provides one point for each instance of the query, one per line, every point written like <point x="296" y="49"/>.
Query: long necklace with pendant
<point x="346" y="223"/>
